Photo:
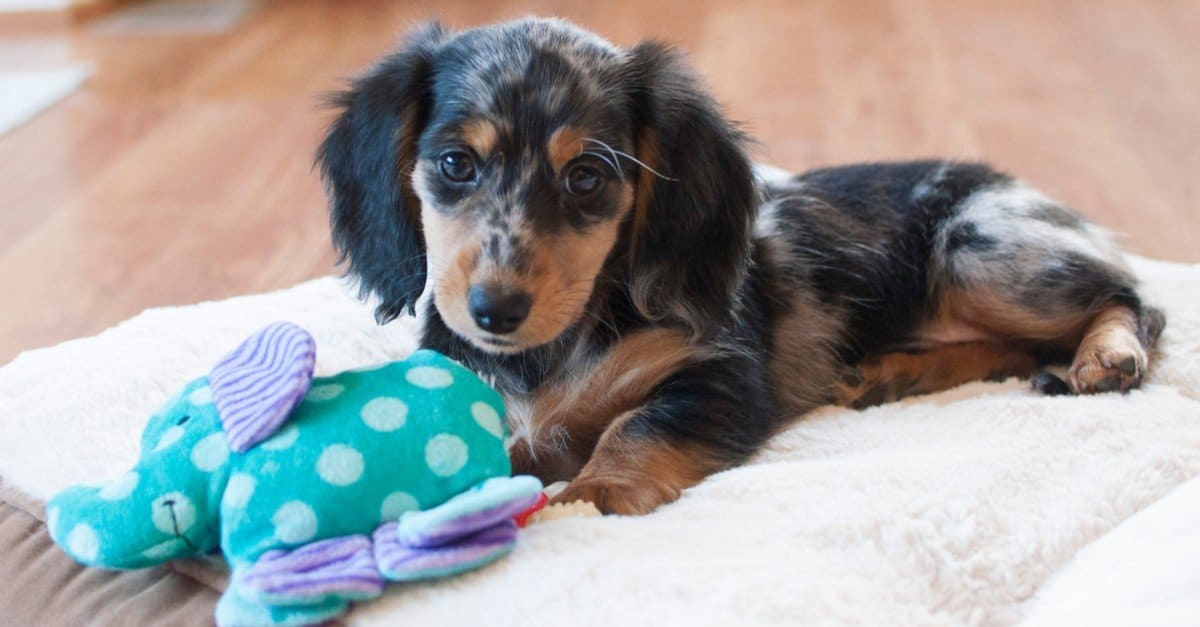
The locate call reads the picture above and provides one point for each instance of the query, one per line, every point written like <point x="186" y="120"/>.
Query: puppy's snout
<point x="496" y="309"/>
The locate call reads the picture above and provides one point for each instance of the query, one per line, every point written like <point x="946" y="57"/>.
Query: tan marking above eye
<point x="480" y="135"/>
<point x="565" y="144"/>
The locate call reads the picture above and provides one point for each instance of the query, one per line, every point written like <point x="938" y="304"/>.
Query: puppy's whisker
<point x="616" y="161"/>
<point x="611" y="164"/>
<point x="618" y="153"/>
<point x="608" y="324"/>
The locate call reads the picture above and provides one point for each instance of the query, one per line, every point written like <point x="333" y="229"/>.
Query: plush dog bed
<point x="946" y="509"/>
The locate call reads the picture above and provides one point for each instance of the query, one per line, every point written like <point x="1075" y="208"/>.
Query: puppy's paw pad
<point x="1116" y="367"/>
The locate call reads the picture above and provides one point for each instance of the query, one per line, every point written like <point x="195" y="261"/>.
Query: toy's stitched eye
<point x="457" y="166"/>
<point x="183" y="420"/>
<point x="583" y="179"/>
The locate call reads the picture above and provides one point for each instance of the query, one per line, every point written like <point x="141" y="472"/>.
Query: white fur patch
<point x="1003" y="213"/>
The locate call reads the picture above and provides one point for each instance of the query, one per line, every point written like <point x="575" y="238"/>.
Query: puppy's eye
<point x="183" y="420"/>
<point x="583" y="179"/>
<point x="457" y="166"/>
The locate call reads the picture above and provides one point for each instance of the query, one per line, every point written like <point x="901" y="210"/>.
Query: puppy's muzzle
<point x="496" y="309"/>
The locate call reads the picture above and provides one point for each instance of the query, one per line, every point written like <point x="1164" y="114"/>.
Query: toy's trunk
<point x="130" y="523"/>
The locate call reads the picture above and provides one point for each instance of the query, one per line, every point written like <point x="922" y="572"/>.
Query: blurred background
<point x="159" y="153"/>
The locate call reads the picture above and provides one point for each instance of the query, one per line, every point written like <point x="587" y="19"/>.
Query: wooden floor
<point x="182" y="170"/>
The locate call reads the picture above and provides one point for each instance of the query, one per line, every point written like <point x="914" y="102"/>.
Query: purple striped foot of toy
<point x="433" y="533"/>
<point x="339" y="567"/>
<point x="402" y="562"/>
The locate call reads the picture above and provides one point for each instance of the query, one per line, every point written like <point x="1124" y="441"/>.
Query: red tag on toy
<point x="523" y="518"/>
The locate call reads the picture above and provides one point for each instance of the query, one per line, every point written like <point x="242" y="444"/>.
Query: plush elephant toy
<point x="318" y="491"/>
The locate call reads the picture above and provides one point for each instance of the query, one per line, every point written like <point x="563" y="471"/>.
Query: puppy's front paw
<point x="631" y="495"/>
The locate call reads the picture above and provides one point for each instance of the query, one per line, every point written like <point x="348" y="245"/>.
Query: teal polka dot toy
<point x="318" y="491"/>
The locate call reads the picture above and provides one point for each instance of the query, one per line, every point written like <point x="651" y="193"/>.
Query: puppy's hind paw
<point x="1116" y="367"/>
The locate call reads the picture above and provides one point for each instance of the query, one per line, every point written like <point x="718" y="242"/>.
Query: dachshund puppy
<point x="581" y="224"/>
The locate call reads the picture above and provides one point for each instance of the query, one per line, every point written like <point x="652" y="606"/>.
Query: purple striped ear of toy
<point x="258" y="385"/>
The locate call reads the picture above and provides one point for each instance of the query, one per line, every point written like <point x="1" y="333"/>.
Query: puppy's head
<point x="507" y="168"/>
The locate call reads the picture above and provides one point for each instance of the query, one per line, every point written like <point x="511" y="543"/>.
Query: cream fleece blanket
<point x="953" y="508"/>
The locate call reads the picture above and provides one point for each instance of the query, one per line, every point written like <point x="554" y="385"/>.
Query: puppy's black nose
<point x="496" y="310"/>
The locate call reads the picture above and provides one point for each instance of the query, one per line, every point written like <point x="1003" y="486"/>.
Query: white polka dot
<point x="285" y="438"/>
<point x="52" y="519"/>
<point x="488" y="418"/>
<point x="269" y="468"/>
<point x="211" y="452"/>
<point x="295" y="522"/>
<point x="162" y="550"/>
<point x="429" y="377"/>
<point x="326" y="392"/>
<point x="119" y="489"/>
<point x="397" y="503"/>
<point x="83" y="542"/>
<point x="169" y="437"/>
<point x="384" y="413"/>
<point x="200" y="396"/>
<point x="340" y="465"/>
<point x="238" y="491"/>
<point x="172" y="513"/>
<point x="445" y="454"/>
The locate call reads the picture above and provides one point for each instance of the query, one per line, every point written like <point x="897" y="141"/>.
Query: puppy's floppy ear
<point x="367" y="161"/>
<point x="691" y="238"/>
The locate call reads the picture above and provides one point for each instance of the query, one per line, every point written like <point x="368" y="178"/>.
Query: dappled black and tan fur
<point x="580" y="223"/>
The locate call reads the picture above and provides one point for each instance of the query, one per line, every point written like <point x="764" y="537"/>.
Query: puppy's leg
<point x="1015" y="267"/>
<point x="892" y="376"/>
<point x="632" y="474"/>
<point x="704" y="418"/>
